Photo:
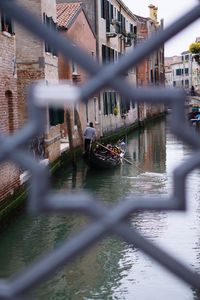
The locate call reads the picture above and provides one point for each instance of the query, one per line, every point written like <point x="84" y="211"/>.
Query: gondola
<point x="104" y="157"/>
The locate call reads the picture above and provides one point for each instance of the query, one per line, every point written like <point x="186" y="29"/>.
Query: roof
<point x="66" y="12"/>
<point x="142" y="19"/>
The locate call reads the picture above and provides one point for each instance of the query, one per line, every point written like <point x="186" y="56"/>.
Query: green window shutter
<point x="56" y="116"/>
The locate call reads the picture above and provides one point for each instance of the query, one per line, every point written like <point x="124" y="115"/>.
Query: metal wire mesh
<point x="44" y="200"/>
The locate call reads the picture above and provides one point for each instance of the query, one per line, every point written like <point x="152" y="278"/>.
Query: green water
<point x="112" y="269"/>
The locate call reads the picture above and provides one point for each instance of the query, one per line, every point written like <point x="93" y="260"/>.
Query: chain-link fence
<point x="44" y="200"/>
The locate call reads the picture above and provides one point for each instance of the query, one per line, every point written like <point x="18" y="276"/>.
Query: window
<point x="9" y="97"/>
<point x="115" y="12"/>
<point x="178" y="72"/>
<point x="103" y="9"/>
<point x="118" y="24"/>
<point x="6" y="24"/>
<point x="109" y="102"/>
<point x="105" y="103"/>
<point x="108" y="54"/>
<point x="56" y="116"/>
<point x="186" y="70"/>
<point x="151" y="75"/>
<point x="187" y="57"/>
<point x="111" y="12"/>
<point x="124" y="106"/>
<point x="74" y="68"/>
<point x="52" y="25"/>
<point x="113" y="101"/>
<point x="123" y="25"/>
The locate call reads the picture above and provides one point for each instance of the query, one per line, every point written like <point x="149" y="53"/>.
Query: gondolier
<point x="89" y="135"/>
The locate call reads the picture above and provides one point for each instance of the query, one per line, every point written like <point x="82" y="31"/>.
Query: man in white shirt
<point x="90" y="135"/>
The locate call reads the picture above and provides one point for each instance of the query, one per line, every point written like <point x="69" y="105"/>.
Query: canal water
<point x="112" y="269"/>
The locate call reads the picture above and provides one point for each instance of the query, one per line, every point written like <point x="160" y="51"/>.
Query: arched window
<point x="9" y="97"/>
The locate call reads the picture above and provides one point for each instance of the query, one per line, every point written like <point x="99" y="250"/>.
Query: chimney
<point x="153" y="12"/>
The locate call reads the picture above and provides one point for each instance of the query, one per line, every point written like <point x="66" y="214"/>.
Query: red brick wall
<point x="9" y="174"/>
<point x="26" y="74"/>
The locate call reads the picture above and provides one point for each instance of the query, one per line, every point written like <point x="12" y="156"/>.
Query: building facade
<point x="183" y="72"/>
<point x="151" y="71"/>
<point x="37" y="61"/>
<point x="73" y="23"/>
<point x="9" y="173"/>
<point x="117" y="32"/>
<point x="115" y="28"/>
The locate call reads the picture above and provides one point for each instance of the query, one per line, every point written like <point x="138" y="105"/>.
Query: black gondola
<point x="103" y="158"/>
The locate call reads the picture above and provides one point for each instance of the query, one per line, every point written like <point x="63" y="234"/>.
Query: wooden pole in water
<point x="70" y="136"/>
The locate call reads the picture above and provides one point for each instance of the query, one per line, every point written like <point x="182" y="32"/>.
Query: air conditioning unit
<point x="112" y="33"/>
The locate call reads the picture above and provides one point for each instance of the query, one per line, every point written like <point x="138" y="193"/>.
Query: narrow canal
<point x="112" y="269"/>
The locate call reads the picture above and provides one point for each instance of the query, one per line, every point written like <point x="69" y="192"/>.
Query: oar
<point x="128" y="161"/>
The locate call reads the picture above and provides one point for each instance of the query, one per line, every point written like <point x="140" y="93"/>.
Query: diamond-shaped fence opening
<point x="43" y="199"/>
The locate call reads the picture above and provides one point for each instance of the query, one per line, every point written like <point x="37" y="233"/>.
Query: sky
<point x="169" y="11"/>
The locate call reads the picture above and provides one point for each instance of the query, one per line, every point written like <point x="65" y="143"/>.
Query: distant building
<point x="172" y="59"/>
<point x="150" y="72"/>
<point x="169" y="61"/>
<point x="182" y="72"/>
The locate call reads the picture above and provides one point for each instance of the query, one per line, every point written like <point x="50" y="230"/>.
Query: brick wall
<point x="52" y="143"/>
<point x="35" y="64"/>
<point x="9" y="173"/>
<point x="26" y="74"/>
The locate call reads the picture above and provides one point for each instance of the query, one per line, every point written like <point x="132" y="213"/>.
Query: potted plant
<point x="115" y="110"/>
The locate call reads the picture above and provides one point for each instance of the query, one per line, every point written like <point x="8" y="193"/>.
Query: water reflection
<point x="111" y="269"/>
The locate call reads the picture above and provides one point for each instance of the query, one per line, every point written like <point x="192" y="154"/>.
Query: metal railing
<point x="42" y="199"/>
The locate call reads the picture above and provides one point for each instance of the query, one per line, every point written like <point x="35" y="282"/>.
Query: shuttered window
<point x="186" y="70"/>
<point x="105" y="103"/>
<point x="103" y="9"/>
<point x="124" y="106"/>
<point x="109" y="102"/>
<point x="56" y="116"/>
<point x="178" y="72"/>
<point x="53" y="26"/>
<point x="7" y="24"/>
<point x="108" y="55"/>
